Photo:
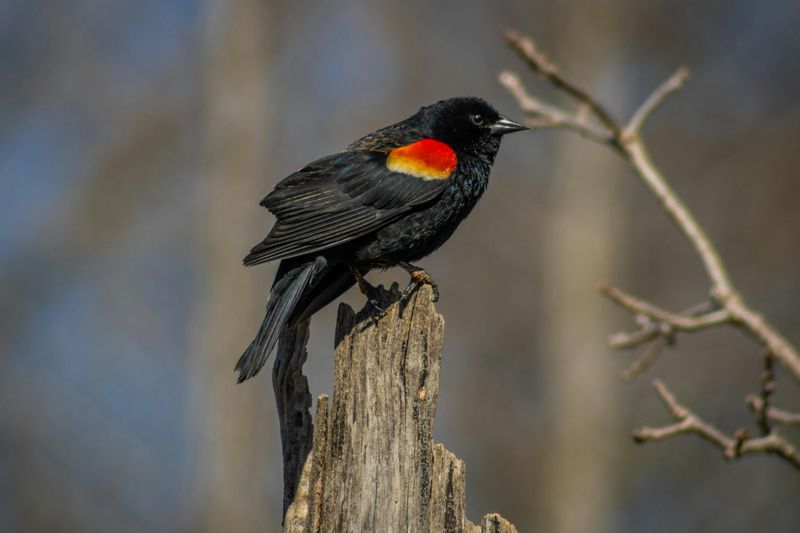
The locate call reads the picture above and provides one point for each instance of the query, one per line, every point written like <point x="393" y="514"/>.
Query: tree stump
<point x="368" y="461"/>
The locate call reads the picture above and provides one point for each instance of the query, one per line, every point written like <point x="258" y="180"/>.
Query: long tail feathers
<point x="283" y="298"/>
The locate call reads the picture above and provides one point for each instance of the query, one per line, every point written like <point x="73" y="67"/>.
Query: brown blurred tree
<point x="234" y="420"/>
<point x="582" y="228"/>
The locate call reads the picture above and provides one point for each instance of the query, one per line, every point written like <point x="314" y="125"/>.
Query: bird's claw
<point x="419" y="278"/>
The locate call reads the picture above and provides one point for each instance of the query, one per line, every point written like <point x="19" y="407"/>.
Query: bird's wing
<point x="335" y="200"/>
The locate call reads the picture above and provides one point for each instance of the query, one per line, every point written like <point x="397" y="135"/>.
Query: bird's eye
<point x="476" y="119"/>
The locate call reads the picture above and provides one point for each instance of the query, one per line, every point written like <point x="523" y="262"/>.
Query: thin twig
<point x="732" y="448"/>
<point x="678" y="321"/>
<point x="778" y="416"/>
<point x="625" y="340"/>
<point x="640" y="116"/>
<point x="687" y="422"/>
<point x="643" y="362"/>
<point x="650" y="329"/>
<point x="548" y="116"/>
<point x="767" y="390"/>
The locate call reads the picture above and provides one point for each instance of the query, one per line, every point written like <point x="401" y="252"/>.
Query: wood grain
<point x="370" y="463"/>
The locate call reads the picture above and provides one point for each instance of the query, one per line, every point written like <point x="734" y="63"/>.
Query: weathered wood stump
<point x="368" y="461"/>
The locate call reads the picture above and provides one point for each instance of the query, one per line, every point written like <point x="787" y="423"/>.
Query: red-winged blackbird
<point x="391" y="197"/>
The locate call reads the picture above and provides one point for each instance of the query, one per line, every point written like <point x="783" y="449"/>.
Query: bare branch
<point x="539" y="63"/>
<point x="731" y="447"/>
<point x="722" y="288"/>
<point x="628" y="143"/>
<point x="657" y="326"/>
<point x="550" y="116"/>
<point x="775" y="444"/>
<point x="688" y="422"/>
<point x="764" y="333"/>
<point x="625" y="340"/>
<point x="643" y="362"/>
<point x="650" y="329"/>
<point x="677" y="321"/>
<point x="671" y="85"/>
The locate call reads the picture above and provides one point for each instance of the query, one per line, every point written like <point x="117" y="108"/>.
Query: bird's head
<point x="468" y="124"/>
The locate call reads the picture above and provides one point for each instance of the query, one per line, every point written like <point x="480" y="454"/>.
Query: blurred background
<point x="137" y="138"/>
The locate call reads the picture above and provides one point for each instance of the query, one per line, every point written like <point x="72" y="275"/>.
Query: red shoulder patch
<point x="428" y="159"/>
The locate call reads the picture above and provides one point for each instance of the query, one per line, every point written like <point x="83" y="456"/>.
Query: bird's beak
<point x="505" y="125"/>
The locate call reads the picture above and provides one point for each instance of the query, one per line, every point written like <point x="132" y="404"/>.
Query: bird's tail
<point x="290" y="283"/>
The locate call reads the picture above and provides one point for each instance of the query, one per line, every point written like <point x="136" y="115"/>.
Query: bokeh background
<point x="136" y="139"/>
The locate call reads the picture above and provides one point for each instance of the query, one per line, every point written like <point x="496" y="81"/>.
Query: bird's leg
<point x="418" y="277"/>
<point x="368" y="290"/>
<point x="364" y="286"/>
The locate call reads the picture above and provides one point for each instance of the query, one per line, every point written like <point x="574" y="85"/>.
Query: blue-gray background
<point x="136" y="139"/>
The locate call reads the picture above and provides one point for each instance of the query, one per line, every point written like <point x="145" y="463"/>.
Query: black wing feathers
<point x="337" y="199"/>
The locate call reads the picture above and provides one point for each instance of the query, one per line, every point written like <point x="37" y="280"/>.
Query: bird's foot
<point x="368" y="290"/>
<point x="418" y="277"/>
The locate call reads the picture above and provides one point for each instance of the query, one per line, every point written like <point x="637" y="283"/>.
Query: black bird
<point x="390" y="198"/>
